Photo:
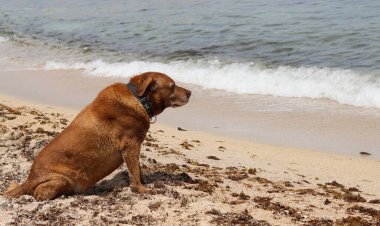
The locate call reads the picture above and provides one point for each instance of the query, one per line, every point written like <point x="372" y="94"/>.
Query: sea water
<point x="313" y="49"/>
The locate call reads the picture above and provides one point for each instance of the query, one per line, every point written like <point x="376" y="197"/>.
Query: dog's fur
<point x="107" y="132"/>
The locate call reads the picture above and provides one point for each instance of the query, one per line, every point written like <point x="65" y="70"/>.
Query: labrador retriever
<point x="108" y="132"/>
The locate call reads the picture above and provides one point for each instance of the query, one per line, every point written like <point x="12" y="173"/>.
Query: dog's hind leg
<point x="52" y="188"/>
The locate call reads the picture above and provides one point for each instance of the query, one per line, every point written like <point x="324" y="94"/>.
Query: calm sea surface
<point x="344" y="34"/>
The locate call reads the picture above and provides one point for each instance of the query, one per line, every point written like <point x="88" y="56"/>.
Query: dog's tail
<point x="15" y="190"/>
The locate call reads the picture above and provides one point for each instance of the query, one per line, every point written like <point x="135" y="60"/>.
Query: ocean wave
<point x="343" y="86"/>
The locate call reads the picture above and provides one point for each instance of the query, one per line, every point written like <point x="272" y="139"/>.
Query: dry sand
<point x="199" y="178"/>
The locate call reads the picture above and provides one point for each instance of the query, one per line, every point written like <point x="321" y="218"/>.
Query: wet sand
<point x="320" y="125"/>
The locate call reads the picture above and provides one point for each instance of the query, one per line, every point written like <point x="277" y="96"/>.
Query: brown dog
<point x="108" y="131"/>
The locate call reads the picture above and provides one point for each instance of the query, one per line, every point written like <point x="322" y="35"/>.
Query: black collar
<point x="143" y="100"/>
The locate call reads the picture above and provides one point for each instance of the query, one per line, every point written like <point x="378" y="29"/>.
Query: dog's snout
<point x="188" y="93"/>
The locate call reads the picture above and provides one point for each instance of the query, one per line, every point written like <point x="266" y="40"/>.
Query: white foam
<point x="343" y="86"/>
<point x="3" y="39"/>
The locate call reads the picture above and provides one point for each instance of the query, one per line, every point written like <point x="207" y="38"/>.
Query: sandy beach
<point x="282" y="127"/>
<point x="199" y="178"/>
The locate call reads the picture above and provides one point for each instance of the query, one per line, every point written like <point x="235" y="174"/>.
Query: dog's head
<point x="161" y="90"/>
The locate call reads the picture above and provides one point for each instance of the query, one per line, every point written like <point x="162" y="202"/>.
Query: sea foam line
<point x="343" y="86"/>
<point x="4" y="39"/>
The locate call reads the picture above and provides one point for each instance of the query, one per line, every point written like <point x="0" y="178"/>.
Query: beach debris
<point x="186" y="145"/>
<point x="364" y="210"/>
<point x="278" y="208"/>
<point x="150" y="144"/>
<point x="327" y="201"/>
<point x="243" y="196"/>
<point x="35" y="112"/>
<point x="193" y="162"/>
<point x="184" y="201"/>
<point x="305" y="191"/>
<point x="180" y="129"/>
<point x="303" y="176"/>
<point x="10" y="117"/>
<point x="364" y="153"/>
<point x="63" y="121"/>
<point x="335" y="184"/>
<point x="165" y="151"/>
<point x="353" y="189"/>
<point x="277" y="188"/>
<point x="342" y="193"/>
<point x="236" y="175"/>
<point x="49" y="133"/>
<point x="354" y="221"/>
<point x="213" y="212"/>
<point x="237" y="202"/>
<point x="150" y="141"/>
<point x="172" y="167"/>
<point x="139" y="219"/>
<point x="263" y="202"/>
<point x="243" y="218"/>
<point x="374" y="201"/>
<point x="222" y="148"/>
<point x="154" y="161"/>
<point x="15" y="135"/>
<point x="173" y="151"/>
<point x="262" y="180"/>
<point x="349" y="197"/>
<point x="28" y="153"/>
<point x="320" y="222"/>
<point x="9" y="110"/>
<point x="205" y="186"/>
<point x="252" y="171"/>
<point x="213" y="157"/>
<point x="155" y="206"/>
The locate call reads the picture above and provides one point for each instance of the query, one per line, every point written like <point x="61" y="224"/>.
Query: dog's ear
<point x="142" y="83"/>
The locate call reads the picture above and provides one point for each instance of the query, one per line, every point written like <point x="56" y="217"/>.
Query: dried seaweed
<point x="243" y="218"/>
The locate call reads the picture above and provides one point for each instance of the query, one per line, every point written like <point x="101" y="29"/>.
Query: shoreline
<point x="242" y="177"/>
<point x="292" y="122"/>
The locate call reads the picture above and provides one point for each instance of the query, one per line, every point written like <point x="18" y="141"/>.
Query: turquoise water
<point x="313" y="49"/>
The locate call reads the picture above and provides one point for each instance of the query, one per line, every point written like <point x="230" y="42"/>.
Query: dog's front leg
<point x="132" y="159"/>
